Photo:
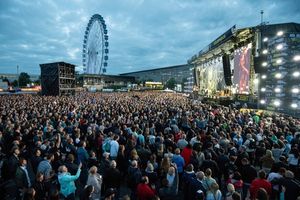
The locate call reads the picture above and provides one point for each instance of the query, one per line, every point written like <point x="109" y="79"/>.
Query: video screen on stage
<point x="242" y="69"/>
<point x="211" y="78"/>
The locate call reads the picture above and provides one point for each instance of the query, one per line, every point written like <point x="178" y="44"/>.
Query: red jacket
<point x="186" y="154"/>
<point x="260" y="183"/>
<point x="144" y="192"/>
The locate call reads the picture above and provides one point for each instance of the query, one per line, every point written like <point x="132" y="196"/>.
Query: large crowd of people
<point x="144" y="146"/>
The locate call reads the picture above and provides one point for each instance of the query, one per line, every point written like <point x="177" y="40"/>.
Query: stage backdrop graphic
<point x="242" y="70"/>
<point x="211" y="78"/>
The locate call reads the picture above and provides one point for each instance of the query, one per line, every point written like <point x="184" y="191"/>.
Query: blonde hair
<point x="230" y="187"/>
<point x="93" y="170"/>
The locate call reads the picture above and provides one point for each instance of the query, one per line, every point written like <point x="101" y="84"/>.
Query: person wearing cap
<point x="66" y="181"/>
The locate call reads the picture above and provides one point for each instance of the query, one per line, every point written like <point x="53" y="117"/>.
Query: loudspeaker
<point x="57" y="79"/>
<point x="258" y="61"/>
<point x="226" y="69"/>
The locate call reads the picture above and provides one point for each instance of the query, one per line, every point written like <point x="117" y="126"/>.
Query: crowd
<point x="144" y="146"/>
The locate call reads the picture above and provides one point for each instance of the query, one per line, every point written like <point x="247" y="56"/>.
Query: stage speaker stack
<point x="57" y="79"/>
<point x="226" y="69"/>
<point x="258" y="64"/>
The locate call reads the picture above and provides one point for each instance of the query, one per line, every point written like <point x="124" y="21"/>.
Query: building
<point x="99" y="82"/>
<point x="181" y="73"/>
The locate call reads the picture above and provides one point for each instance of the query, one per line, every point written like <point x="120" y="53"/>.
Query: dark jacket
<point x="196" y="186"/>
<point x="112" y="178"/>
<point x="248" y="173"/>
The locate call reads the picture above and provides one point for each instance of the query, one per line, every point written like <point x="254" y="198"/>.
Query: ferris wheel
<point x="95" y="46"/>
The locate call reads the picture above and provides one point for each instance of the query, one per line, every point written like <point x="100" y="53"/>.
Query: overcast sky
<point x="143" y="34"/>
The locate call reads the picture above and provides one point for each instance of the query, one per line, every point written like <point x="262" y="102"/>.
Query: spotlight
<point x="265" y="51"/>
<point x="295" y="90"/>
<point x="278" y="75"/>
<point x="279" y="33"/>
<point x="262" y="101"/>
<point x="277" y="103"/>
<point x="296" y="74"/>
<point x="264" y="76"/>
<point x="278" y="61"/>
<point x="264" y="64"/>
<point x="294" y="105"/>
<point x="263" y="89"/>
<point x="265" y="39"/>
<point x="296" y="57"/>
<point x="279" y="47"/>
<point x="277" y="90"/>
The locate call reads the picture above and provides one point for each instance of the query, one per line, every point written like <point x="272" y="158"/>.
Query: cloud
<point x="142" y="34"/>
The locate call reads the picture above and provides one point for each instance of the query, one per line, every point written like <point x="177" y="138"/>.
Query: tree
<point x="24" y="79"/>
<point x="171" y="83"/>
<point x="38" y="81"/>
<point x="5" y="79"/>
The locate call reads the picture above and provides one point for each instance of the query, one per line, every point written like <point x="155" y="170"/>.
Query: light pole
<point x="18" y="76"/>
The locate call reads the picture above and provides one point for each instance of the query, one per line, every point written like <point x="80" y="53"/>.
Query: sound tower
<point x="58" y="79"/>
<point x="258" y="61"/>
<point x="226" y="69"/>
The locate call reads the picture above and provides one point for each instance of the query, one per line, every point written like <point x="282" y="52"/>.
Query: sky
<point x="143" y="34"/>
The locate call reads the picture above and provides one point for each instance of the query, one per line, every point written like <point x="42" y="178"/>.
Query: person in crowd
<point x="150" y="126"/>
<point x="290" y="185"/>
<point x="13" y="163"/>
<point x="66" y="181"/>
<point x="267" y="161"/>
<point x="187" y="176"/>
<point x="208" y="181"/>
<point x="260" y="182"/>
<point x="173" y="179"/>
<point x="114" y="147"/>
<point x="95" y="180"/>
<point x="82" y="154"/>
<point x="179" y="161"/>
<point x="144" y="191"/>
<point x="87" y="192"/>
<point x="110" y="194"/>
<point x="196" y="189"/>
<point x="23" y="177"/>
<point x="45" y="166"/>
<point x="230" y="191"/>
<point x="151" y="174"/>
<point x="236" y="180"/>
<point x="214" y="193"/>
<point x="41" y="191"/>
<point x="112" y="178"/>
<point x="249" y="173"/>
<point x="36" y="159"/>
